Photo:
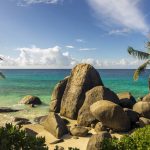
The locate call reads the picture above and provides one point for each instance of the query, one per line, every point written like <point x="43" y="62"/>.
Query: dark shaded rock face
<point x="7" y="109"/>
<point x="31" y="100"/>
<point x="79" y="131"/>
<point x="111" y="115"/>
<point x="55" y="125"/>
<point x="143" y="108"/>
<point x="85" y="117"/>
<point x="126" y="100"/>
<point x="57" y="95"/>
<point x="133" y="116"/>
<point x="144" y="121"/>
<point x="95" y="142"/>
<point x="146" y="98"/>
<point x="83" y="78"/>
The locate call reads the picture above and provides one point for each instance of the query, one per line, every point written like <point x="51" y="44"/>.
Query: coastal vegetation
<point x="141" y="56"/>
<point x="138" y="140"/>
<point x="13" y="138"/>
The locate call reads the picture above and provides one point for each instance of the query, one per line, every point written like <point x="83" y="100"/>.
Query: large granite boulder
<point x="29" y="99"/>
<point x="95" y="142"/>
<point x="143" y="108"/>
<point x="83" y="78"/>
<point x="57" y="95"/>
<point x="111" y="115"/>
<point x="55" y="125"/>
<point x="146" y="98"/>
<point x="79" y="131"/>
<point x="85" y="118"/>
<point x="126" y="100"/>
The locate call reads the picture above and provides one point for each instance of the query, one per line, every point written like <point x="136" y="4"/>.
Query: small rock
<point x="20" y="119"/>
<point x="75" y="137"/>
<point x="55" y="125"/>
<point x="29" y="99"/>
<point x="40" y="119"/>
<point x="95" y="142"/>
<point x="30" y="132"/>
<point x="144" y="121"/>
<point x="143" y="108"/>
<point x="7" y="110"/>
<point x="23" y="122"/>
<point x="57" y="141"/>
<point x="79" y="131"/>
<point x="100" y="127"/>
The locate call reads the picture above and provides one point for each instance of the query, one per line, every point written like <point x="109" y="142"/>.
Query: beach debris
<point x="79" y="131"/>
<point x="29" y="99"/>
<point x="95" y="142"/>
<point x="55" y="125"/>
<point x="22" y="122"/>
<point x="126" y="99"/>
<point x="143" y="108"/>
<point x="83" y="78"/>
<point x="85" y="117"/>
<point x="57" y="94"/>
<point x="111" y="115"/>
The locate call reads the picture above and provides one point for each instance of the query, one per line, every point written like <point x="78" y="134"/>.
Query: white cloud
<point x="69" y="46"/>
<point x="119" y="32"/>
<point x="80" y="40"/>
<point x="30" y="2"/>
<point x="54" y="58"/>
<point x="37" y="57"/>
<point x="122" y="13"/>
<point x="87" y="49"/>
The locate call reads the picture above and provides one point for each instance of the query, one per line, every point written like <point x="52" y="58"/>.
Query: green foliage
<point x="139" y="140"/>
<point x="13" y="138"/>
<point x="69" y="148"/>
<point x="139" y="54"/>
<point x="142" y="56"/>
<point x="140" y="70"/>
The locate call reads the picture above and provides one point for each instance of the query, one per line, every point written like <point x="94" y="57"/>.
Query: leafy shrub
<point x="13" y="138"/>
<point x="69" y="148"/>
<point x="139" y="140"/>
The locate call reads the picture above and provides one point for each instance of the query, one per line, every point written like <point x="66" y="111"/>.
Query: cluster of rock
<point x="82" y="96"/>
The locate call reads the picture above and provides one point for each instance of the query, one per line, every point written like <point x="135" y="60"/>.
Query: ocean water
<point x="19" y="83"/>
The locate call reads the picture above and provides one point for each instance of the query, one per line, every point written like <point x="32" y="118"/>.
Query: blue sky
<point x="62" y="33"/>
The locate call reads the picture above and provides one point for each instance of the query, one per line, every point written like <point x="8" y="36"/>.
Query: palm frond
<point x="2" y="75"/>
<point x="140" y="70"/>
<point x="138" y="54"/>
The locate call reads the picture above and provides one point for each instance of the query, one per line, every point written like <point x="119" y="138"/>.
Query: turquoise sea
<point x="19" y="83"/>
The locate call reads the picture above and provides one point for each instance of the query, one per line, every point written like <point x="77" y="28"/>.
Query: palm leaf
<point x="138" y="54"/>
<point x="2" y="75"/>
<point x="140" y="70"/>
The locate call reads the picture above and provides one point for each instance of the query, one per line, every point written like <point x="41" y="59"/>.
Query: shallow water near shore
<point x="19" y="83"/>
